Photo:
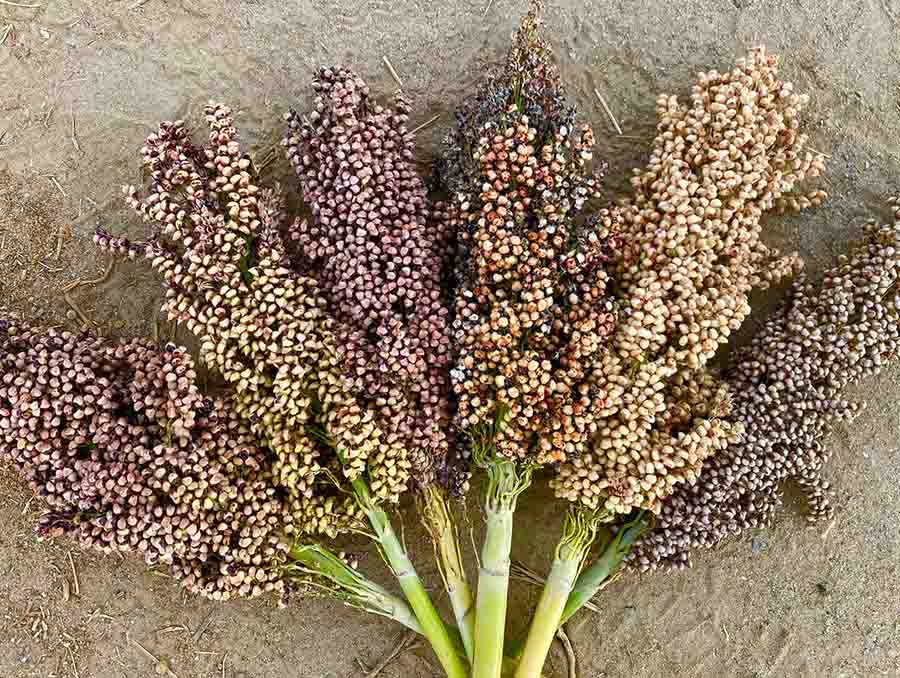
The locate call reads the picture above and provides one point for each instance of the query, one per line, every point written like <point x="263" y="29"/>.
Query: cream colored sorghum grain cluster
<point x="378" y="250"/>
<point x="690" y="255"/>
<point x="215" y="240"/>
<point x="788" y="390"/>
<point x="128" y="457"/>
<point x="532" y="310"/>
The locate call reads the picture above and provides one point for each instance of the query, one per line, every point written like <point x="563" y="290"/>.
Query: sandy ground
<point x="83" y="81"/>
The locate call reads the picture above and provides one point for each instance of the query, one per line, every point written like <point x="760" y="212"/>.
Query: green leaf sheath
<point x="433" y="627"/>
<point x="578" y="534"/>
<point x="606" y="565"/>
<point x="323" y="570"/>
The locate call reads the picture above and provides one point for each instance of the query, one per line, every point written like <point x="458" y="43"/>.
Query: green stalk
<point x="506" y="482"/>
<point x="592" y="578"/>
<point x="590" y="581"/>
<point x="439" y="521"/>
<point x="493" y="586"/>
<point x="318" y="567"/>
<point x="578" y="534"/>
<point x="432" y="625"/>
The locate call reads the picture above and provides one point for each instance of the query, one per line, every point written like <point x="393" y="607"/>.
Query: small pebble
<point x="759" y="544"/>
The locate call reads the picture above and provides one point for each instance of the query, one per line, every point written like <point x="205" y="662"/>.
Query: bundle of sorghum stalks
<point x="380" y="344"/>
<point x="788" y="388"/>
<point x="215" y="236"/>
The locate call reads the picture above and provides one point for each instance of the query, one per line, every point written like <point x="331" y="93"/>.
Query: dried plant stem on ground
<point x="406" y="643"/>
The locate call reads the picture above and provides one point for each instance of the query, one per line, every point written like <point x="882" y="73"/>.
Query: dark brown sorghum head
<point x="378" y="249"/>
<point x="788" y="389"/>
<point x="533" y="310"/>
